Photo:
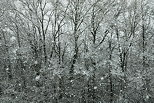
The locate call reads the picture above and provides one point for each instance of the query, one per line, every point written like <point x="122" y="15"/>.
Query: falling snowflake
<point x="102" y="78"/>
<point x="37" y="77"/>
<point x="95" y="87"/>
<point x="12" y="39"/>
<point x="147" y="96"/>
<point x="7" y="69"/>
<point x="35" y="62"/>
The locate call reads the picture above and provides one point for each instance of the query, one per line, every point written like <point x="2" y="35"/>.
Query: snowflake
<point x="12" y="38"/>
<point x="7" y="69"/>
<point x="102" y="78"/>
<point x="37" y="77"/>
<point x="35" y="62"/>
<point x="147" y="96"/>
<point x="95" y="87"/>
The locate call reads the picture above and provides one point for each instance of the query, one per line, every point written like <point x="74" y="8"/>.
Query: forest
<point x="76" y="51"/>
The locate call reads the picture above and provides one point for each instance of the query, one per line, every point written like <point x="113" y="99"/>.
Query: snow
<point x="14" y="50"/>
<point x="7" y="69"/>
<point x="95" y="87"/>
<point x="37" y="77"/>
<point x="12" y="39"/>
<point x="147" y="96"/>
<point x="117" y="72"/>
<point x="102" y="78"/>
<point x="36" y="62"/>
<point x="85" y="72"/>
